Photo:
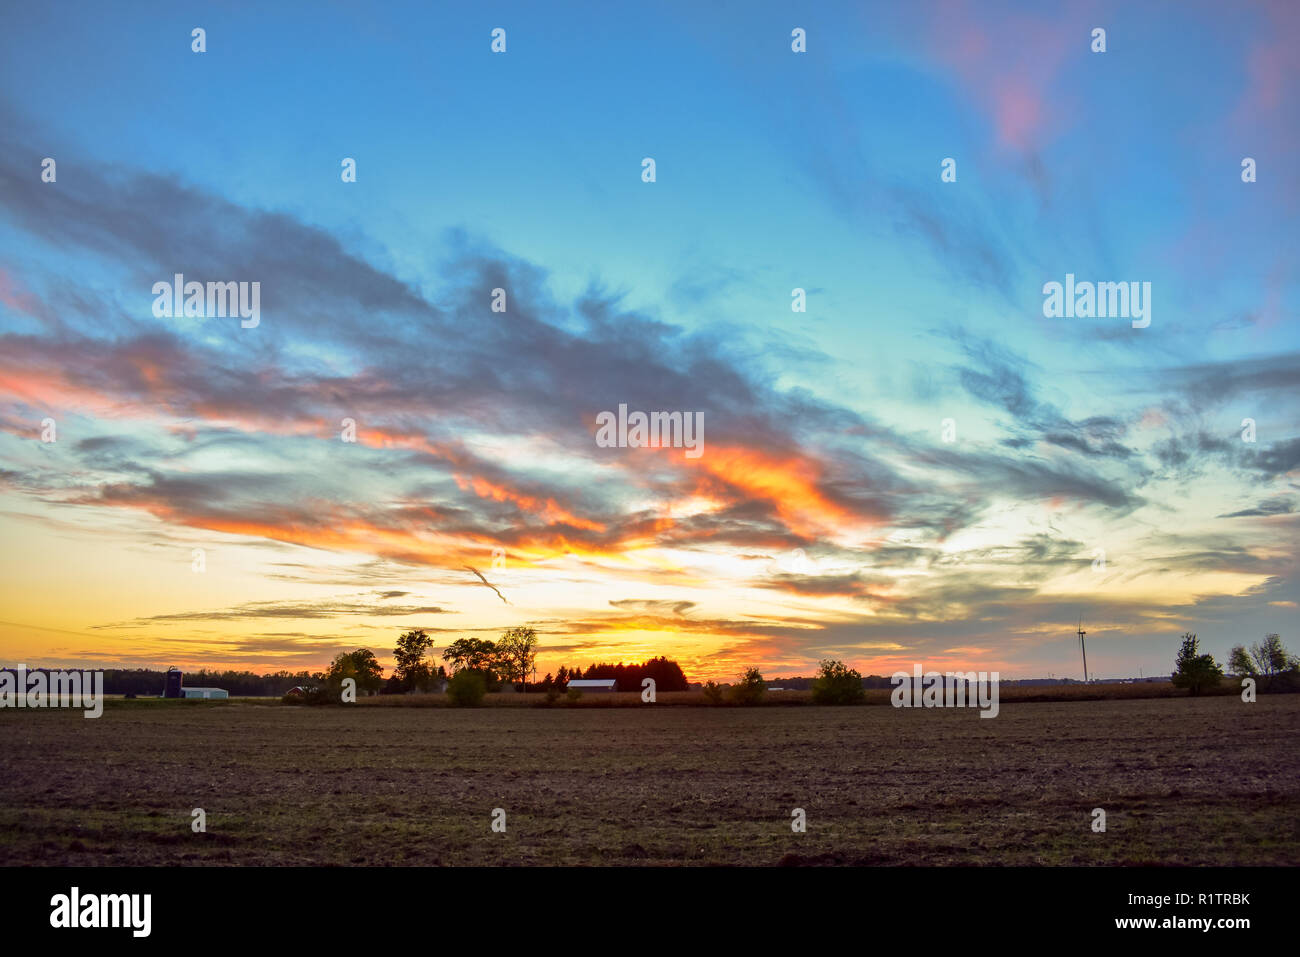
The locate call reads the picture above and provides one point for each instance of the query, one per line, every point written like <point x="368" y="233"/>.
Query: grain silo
<point x="172" y="683"/>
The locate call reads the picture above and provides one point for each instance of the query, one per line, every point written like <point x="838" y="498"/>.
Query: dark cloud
<point x="1274" y="506"/>
<point x="997" y="376"/>
<point x="655" y="606"/>
<point x="1210" y="384"/>
<point x="298" y="609"/>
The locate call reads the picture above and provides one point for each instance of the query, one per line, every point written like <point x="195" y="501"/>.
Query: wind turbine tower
<point x="1083" y="648"/>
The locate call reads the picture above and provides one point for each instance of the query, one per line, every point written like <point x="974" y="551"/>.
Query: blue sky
<point x="775" y="170"/>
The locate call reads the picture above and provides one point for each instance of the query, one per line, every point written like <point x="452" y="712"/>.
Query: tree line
<point x="1267" y="662"/>
<point x="835" y="683"/>
<point x="472" y="667"/>
<point x="148" y="682"/>
<point x="511" y="659"/>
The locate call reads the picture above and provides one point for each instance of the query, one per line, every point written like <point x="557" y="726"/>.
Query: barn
<point x="205" y="693"/>
<point x="594" y="684"/>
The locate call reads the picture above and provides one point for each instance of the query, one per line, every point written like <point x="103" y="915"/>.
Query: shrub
<point x="713" y="692"/>
<point x="836" y="684"/>
<point x="466" y="689"/>
<point x="573" y="694"/>
<point x="315" y="694"/>
<point x="749" y="689"/>
<point x="1285" y="682"/>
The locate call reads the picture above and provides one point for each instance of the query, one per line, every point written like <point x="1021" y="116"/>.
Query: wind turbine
<point x="1083" y="648"/>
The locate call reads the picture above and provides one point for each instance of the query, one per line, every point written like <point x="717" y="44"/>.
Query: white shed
<point x="594" y="684"/>
<point x="205" y="693"/>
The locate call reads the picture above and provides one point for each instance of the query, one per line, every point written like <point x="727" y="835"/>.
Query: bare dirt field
<point x="1182" y="781"/>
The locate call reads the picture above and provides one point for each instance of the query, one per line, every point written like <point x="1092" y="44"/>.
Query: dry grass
<point x="874" y="696"/>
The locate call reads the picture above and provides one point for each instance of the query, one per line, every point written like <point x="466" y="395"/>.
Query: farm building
<point x="174" y="687"/>
<point x="204" y="693"/>
<point x="594" y="684"/>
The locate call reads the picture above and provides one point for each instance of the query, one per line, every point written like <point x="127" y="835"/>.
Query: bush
<point x="466" y="689"/>
<point x="316" y="690"/>
<point x="573" y="694"/>
<point x="713" y="692"/>
<point x="1285" y="682"/>
<point x="836" y="684"/>
<point x="749" y="689"/>
<point x="315" y="694"/>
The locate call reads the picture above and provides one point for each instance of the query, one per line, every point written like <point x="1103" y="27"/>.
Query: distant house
<point x="594" y="684"/>
<point x="205" y="693"/>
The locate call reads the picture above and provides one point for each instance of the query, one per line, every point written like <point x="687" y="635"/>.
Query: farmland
<point x="1182" y="781"/>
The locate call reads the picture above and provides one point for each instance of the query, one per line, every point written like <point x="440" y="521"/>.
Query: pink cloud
<point x="1008" y="63"/>
<point x="1264" y="116"/>
<point x="17" y="298"/>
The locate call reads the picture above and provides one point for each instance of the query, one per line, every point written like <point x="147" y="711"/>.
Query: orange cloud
<point x="789" y="484"/>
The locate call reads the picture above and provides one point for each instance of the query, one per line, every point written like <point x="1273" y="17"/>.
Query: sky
<point x="922" y="467"/>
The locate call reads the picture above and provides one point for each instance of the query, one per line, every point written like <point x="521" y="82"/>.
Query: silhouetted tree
<point x="477" y="654"/>
<point x="749" y="689"/>
<point x="516" y="652"/>
<point x="411" y="667"/>
<point x="1195" y="671"/>
<point x="667" y="674"/>
<point x="361" y="666"/>
<point x="836" y="684"/>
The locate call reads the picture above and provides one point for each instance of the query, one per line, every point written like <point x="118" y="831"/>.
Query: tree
<point x="411" y="667"/>
<point x="339" y="669"/>
<point x="836" y="684"/>
<point x="361" y="666"/>
<point x="1265" y="660"/>
<point x="1270" y="657"/>
<point x="516" y="652"/>
<point x="1196" y="671"/>
<point x="749" y="689"/>
<point x="476" y="654"/>
<point x="1239" y="662"/>
<point x="668" y="675"/>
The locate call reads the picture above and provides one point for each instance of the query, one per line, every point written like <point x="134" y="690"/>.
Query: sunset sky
<point x="827" y="516"/>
